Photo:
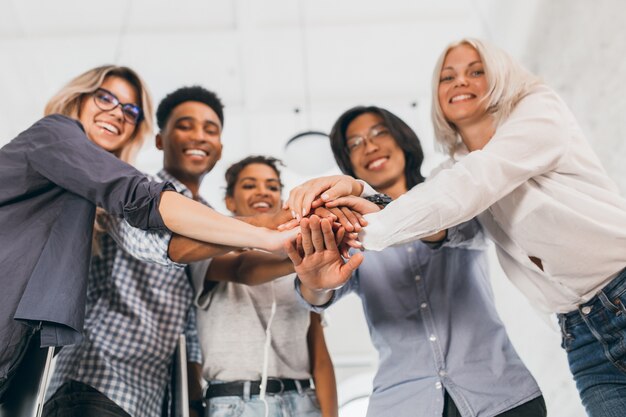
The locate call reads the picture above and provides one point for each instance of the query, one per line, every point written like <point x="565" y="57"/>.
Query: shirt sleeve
<point x="530" y="142"/>
<point x="336" y="296"/>
<point x="145" y="245"/>
<point x="60" y="151"/>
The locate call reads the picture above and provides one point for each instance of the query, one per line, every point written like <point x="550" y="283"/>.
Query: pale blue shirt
<point x="432" y="319"/>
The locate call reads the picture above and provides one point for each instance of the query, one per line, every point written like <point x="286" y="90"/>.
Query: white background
<point x="268" y="58"/>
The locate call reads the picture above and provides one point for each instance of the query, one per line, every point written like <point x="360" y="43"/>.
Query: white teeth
<point x="197" y="152"/>
<point x="460" y="97"/>
<point x="109" y="127"/>
<point x="376" y="163"/>
<point x="261" y="204"/>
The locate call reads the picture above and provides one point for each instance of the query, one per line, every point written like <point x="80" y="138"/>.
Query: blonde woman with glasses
<point x="52" y="177"/>
<point x="520" y="162"/>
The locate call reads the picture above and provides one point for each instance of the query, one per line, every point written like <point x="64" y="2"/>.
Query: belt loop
<point x="299" y="387"/>
<point x="246" y="390"/>
<point x="562" y="325"/>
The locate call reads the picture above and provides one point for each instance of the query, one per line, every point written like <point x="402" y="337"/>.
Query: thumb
<point x="352" y="264"/>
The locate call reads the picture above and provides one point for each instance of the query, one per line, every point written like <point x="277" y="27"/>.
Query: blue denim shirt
<point x="432" y="319"/>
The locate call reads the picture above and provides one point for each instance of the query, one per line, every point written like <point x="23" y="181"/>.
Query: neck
<point x="477" y="134"/>
<point x="192" y="182"/>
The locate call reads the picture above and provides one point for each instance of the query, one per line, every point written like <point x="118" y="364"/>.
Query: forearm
<point x="186" y="250"/>
<point x="322" y="369"/>
<point x="194" y="383"/>
<point x="186" y="217"/>
<point x="258" y="268"/>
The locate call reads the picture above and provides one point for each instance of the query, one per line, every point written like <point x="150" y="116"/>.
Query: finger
<point x="328" y="235"/>
<point x="318" y="202"/>
<point x="299" y="245"/>
<point x="341" y="218"/>
<point x="351" y="265"/>
<point x="316" y="233"/>
<point x="289" y="225"/>
<point x="351" y="218"/>
<point x="307" y="244"/>
<point x="362" y="220"/>
<point x="292" y="252"/>
<point x="324" y="213"/>
<point x="339" y="234"/>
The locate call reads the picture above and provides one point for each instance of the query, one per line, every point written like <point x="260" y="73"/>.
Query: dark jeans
<point x="533" y="408"/>
<point x="74" y="399"/>
<point x="594" y="337"/>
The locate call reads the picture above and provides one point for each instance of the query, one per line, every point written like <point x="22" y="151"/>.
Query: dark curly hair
<point x="404" y="136"/>
<point x="232" y="173"/>
<point x="184" y="94"/>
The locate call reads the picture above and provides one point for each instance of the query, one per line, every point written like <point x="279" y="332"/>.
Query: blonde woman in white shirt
<point x="520" y="162"/>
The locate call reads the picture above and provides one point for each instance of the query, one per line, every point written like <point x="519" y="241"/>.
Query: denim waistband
<point x="613" y="289"/>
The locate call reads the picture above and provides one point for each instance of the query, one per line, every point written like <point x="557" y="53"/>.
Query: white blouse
<point x="539" y="190"/>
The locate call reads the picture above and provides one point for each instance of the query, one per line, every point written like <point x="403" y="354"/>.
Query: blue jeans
<point x="594" y="337"/>
<point x="302" y="403"/>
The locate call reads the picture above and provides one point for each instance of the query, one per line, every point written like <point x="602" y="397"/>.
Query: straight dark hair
<point x="404" y="136"/>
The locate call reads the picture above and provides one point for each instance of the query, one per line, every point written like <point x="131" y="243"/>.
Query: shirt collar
<point x="180" y="187"/>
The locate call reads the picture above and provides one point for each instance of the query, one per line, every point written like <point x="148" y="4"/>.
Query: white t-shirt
<point x="232" y="319"/>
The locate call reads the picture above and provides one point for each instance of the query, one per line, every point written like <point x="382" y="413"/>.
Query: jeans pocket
<point x="612" y="328"/>
<point x="225" y="407"/>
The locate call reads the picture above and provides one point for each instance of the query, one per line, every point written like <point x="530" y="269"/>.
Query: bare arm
<point x="186" y="217"/>
<point x="249" y="267"/>
<point x="322" y="368"/>
<point x="185" y="250"/>
<point x="194" y="382"/>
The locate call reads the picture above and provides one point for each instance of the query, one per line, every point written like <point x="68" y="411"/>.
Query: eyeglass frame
<point x="118" y="103"/>
<point x="375" y="132"/>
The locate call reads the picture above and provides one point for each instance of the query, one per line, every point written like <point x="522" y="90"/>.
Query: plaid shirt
<point x="134" y="315"/>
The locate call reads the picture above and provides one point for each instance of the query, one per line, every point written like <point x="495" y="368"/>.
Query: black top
<point x="52" y="177"/>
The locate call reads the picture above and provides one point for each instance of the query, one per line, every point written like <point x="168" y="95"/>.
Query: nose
<point x="200" y="134"/>
<point x="117" y="113"/>
<point x="370" y="145"/>
<point x="460" y="81"/>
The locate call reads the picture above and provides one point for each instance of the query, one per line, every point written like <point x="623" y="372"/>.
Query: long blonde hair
<point x="508" y="83"/>
<point x="68" y="100"/>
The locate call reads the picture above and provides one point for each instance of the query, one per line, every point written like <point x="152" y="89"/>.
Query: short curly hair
<point x="232" y="173"/>
<point x="184" y="94"/>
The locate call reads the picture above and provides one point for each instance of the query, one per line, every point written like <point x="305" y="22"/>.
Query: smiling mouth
<point x="462" y="97"/>
<point x="196" y="152"/>
<point x="377" y="163"/>
<point x="261" y="205"/>
<point x="108" y="127"/>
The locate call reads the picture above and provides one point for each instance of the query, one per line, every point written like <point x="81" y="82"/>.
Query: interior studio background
<point x="283" y="67"/>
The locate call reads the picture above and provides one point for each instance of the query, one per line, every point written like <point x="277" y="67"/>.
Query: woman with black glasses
<point x="52" y="177"/>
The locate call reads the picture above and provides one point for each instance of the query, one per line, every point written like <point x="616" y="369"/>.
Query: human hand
<point x="318" y="191"/>
<point x="344" y="217"/>
<point x="318" y="263"/>
<point x="355" y="204"/>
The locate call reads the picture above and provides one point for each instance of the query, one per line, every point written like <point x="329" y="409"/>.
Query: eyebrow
<point x="381" y="124"/>
<point x="193" y="119"/>
<point x="259" y="179"/>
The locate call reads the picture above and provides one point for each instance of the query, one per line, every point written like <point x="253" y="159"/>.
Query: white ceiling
<point x="264" y="58"/>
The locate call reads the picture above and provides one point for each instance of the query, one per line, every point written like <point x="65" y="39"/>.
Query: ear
<point x="219" y="152"/>
<point x="230" y="204"/>
<point x="158" y="141"/>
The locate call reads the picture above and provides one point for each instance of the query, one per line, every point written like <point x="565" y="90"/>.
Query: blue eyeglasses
<point x="107" y="101"/>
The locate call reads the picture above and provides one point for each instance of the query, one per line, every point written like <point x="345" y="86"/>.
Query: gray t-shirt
<point x="232" y="319"/>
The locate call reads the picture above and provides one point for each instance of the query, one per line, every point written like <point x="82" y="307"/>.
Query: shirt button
<point x="442" y="373"/>
<point x="438" y="385"/>
<point x="586" y="310"/>
<point x="423" y="305"/>
<point x="417" y="277"/>
<point x="432" y="338"/>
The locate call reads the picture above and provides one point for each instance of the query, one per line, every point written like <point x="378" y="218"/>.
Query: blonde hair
<point x="508" y="82"/>
<point x="68" y="101"/>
